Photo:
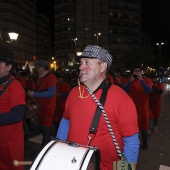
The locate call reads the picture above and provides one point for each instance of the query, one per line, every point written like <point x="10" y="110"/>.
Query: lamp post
<point x="13" y="37"/>
<point x="75" y="39"/>
<point x="160" y="46"/>
<point x="97" y="36"/>
<point x="75" y="54"/>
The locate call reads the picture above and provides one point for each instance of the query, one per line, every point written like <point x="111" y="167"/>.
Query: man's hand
<point x="30" y="93"/>
<point x="139" y="76"/>
<point x="132" y="78"/>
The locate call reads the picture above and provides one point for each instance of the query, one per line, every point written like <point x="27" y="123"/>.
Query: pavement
<point x="158" y="154"/>
<point x="157" y="157"/>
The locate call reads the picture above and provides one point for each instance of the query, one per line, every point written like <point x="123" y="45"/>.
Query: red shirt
<point x="62" y="89"/>
<point x="141" y="100"/>
<point x="122" y="80"/>
<point x="11" y="136"/>
<point x="29" y="84"/>
<point x="48" y="104"/>
<point x="21" y="80"/>
<point x="155" y="102"/>
<point x="110" y="78"/>
<point x="121" y="113"/>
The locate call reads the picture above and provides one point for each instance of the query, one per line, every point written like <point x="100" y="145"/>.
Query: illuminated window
<point x="70" y="63"/>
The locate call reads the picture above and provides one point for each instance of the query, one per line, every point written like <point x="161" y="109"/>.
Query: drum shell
<point x="60" y="155"/>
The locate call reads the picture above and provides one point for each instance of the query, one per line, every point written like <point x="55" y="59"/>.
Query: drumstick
<point x="17" y="163"/>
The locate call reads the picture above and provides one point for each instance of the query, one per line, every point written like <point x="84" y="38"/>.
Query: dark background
<point x="47" y="7"/>
<point x="155" y="21"/>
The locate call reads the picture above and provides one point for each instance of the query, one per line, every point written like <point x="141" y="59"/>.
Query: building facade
<point x="112" y="24"/>
<point x="34" y="37"/>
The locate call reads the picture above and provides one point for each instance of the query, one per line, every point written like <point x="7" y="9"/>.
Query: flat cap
<point x="94" y="51"/>
<point x="42" y="63"/>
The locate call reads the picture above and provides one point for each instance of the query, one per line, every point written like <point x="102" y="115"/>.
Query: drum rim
<point x="94" y="151"/>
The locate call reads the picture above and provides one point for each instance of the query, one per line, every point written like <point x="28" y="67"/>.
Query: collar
<point x="44" y="74"/>
<point x="5" y="78"/>
<point x="103" y="85"/>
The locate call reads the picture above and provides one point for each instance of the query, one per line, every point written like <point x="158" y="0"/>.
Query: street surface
<point x="158" y="152"/>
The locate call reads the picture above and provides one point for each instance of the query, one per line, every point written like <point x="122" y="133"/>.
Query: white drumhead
<point x="62" y="156"/>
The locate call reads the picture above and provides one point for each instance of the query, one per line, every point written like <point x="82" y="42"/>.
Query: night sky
<point x="155" y="20"/>
<point x="47" y="7"/>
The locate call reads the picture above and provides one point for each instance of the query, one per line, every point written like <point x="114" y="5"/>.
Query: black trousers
<point x="47" y="135"/>
<point x="144" y="136"/>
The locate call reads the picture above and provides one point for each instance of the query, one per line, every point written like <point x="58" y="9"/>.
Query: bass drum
<point x="63" y="155"/>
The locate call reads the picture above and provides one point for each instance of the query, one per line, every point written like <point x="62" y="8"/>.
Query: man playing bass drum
<point x="120" y="109"/>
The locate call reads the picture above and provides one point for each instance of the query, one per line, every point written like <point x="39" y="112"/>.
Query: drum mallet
<point x="18" y="163"/>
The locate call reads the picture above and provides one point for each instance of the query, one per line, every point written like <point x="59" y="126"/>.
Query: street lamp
<point x="73" y="58"/>
<point x="160" y="46"/>
<point x="13" y="36"/>
<point x="75" y="39"/>
<point x="97" y="36"/>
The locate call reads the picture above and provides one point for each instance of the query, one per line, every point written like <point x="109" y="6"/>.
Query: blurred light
<point x="79" y="53"/>
<point x="34" y="58"/>
<point x="13" y="35"/>
<point x="127" y="71"/>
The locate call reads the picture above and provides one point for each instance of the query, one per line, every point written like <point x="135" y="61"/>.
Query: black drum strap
<point x="5" y="87"/>
<point x="97" y="115"/>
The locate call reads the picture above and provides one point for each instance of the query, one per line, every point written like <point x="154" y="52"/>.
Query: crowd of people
<point x="68" y="101"/>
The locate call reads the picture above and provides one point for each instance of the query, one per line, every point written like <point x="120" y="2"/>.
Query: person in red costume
<point x="110" y="78"/>
<point x="119" y="80"/>
<point x="139" y="87"/>
<point x="155" y="101"/>
<point x="12" y="111"/>
<point x="20" y="79"/>
<point x="80" y="109"/>
<point x="45" y="94"/>
<point x="62" y="91"/>
<point x="29" y="85"/>
<point x="17" y="74"/>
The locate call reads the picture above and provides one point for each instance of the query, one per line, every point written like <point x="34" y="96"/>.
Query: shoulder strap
<point x="5" y="86"/>
<point x="97" y="115"/>
<point x="90" y="137"/>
